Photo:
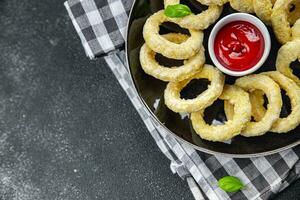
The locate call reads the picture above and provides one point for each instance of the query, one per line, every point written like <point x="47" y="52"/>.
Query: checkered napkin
<point x="101" y="25"/>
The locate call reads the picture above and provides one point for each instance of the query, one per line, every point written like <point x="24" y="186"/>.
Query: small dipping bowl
<point x="239" y="17"/>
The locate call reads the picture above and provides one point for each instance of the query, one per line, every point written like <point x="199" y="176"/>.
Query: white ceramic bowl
<point x="239" y="17"/>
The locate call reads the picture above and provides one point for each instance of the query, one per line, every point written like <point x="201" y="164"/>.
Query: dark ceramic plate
<point x="151" y="91"/>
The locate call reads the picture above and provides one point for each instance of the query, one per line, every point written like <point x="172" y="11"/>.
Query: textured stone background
<point x="67" y="130"/>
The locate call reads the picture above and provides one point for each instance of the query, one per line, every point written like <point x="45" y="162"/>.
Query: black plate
<point x="151" y="91"/>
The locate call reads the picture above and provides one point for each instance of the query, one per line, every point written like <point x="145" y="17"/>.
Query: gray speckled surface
<point x="67" y="130"/>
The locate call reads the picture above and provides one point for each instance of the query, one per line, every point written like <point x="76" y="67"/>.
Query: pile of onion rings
<point x="246" y="109"/>
<point x="153" y="68"/>
<point x="241" y="116"/>
<point x="272" y="91"/>
<point x="282" y="125"/>
<point x="169" y="49"/>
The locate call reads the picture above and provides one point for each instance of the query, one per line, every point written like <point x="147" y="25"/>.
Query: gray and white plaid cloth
<point x="101" y="25"/>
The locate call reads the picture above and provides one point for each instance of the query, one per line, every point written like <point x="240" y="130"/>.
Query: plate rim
<point x="153" y="116"/>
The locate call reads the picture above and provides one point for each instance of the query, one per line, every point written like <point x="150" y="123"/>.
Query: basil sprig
<point x="230" y="184"/>
<point x="177" y="11"/>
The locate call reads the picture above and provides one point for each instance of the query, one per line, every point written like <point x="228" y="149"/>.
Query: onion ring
<point x="241" y="116"/>
<point x="272" y="91"/>
<point x="257" y="102"/>
<point x="242" y="5"/>
<point x="280" y="20"/>
<point x="283" y="125"/>
<point x="287" y="54"/>
<point x="229" y="110"/>
<point x="296" y="30"/>
<point x="153" y="68"/>
<point x="213" y="2"/>
<point x="170" y="49"/>
<point x="294" y="15"/>
<point x="198" y="22"/>
<point x="263" y="9"/>
<point x="203" y="100"/>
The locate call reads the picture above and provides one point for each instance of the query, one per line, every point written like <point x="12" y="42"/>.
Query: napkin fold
<point x="101" y="26"/>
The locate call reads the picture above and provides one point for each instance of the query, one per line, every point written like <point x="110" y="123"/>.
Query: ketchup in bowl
<point x="239" y="45"/>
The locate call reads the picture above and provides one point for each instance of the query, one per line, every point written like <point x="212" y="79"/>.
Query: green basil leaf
<point x="177" y="11"/>
<point x="230" y="184"/>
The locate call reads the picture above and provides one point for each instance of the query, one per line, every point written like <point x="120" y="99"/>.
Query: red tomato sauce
<point x="239" y="45"/>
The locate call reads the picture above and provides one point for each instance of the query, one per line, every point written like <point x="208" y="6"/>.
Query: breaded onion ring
<point x="280" y="20"/>
<point x="257" y="101"/>
<point x="296" y="30"/>
<point x="294" y="15"/>
<point x="169" y="49"/>
<point x="229" y="110"/>
<point x="258" y="111"/>
<point x="263" y="9"/>
<point x="272" y="91"/>
<point x="287" y="54"/>
<point x="283" y="125"/>
<point x="153" y="68"/>
<point x="203" y="100"/>
<point x="242" y="5"/>
<point x="241" y="116"/>
<point x="198" y="22"/>
<point x="213" y="2"/>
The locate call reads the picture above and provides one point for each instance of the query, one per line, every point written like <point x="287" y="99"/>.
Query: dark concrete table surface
<point x="67" y="130"/>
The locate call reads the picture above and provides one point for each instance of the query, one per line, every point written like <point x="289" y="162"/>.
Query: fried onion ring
<point x="280" y="20"/>
<point x="258" y="111"/>
<point x="242" y="5"/>
<point x="212" y="2"/>
<point x="229" y="110"/>
<point x="287" y="54"/>
<point x="203" y="100"/>
<point x="294" y="13"/>
<point x="170" y="49"/>
<point x="283" y="125"/>
<point x="257" y="102"/>
<point x="263" y="9"/>
<point x="272" y="91"/>
<point x="296" y="30"/>
<point x="241" y="116"/>
<point x="153" y="68"/>
<point x="198" y="22"/>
